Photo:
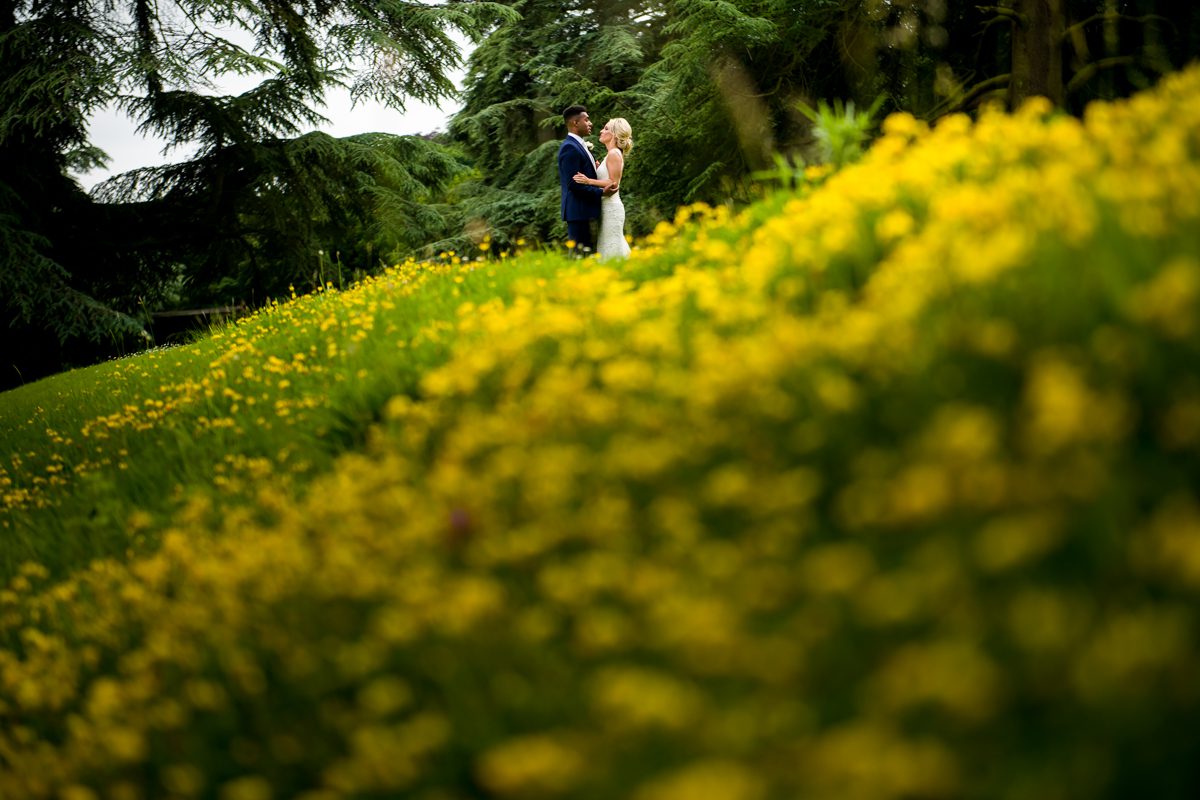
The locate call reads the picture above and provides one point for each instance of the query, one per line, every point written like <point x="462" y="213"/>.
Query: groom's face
<point x="583" y="125"/>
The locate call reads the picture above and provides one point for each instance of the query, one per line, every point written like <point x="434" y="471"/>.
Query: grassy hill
<point x="881" y="488"/>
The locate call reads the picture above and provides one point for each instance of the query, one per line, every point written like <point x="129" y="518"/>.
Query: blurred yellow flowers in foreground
<point x="884" y="488"/>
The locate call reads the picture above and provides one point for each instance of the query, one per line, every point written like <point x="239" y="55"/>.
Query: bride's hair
<point x="622" y="134"/>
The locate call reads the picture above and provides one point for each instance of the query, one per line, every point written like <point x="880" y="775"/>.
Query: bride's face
<point x="606" y="135"/>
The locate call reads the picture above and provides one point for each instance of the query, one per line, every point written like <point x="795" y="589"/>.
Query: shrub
<point x="882" y="489"/>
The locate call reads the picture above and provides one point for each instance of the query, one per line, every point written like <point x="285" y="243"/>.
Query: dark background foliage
<point x="712" y="88"/>
<point x="256" y="208"/>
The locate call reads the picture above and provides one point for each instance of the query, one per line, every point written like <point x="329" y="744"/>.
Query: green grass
<point x="86" y="490"/>
<point x="884" y="488"/>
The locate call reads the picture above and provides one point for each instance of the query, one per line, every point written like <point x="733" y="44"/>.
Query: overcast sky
<point x="116" y="134"/>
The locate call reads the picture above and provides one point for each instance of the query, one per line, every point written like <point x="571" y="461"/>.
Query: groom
<point x="580" y="202"/>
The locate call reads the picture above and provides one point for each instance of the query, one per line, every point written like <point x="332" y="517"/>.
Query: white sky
<point x="116" y="134"/>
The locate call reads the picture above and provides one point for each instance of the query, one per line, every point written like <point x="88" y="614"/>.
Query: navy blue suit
<point x="580" y="202"/>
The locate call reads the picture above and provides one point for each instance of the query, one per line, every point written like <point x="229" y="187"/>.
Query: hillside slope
<point x="884" y="489"/>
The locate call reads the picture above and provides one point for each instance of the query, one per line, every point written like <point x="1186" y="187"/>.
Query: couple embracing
<point x="590" y="188"/>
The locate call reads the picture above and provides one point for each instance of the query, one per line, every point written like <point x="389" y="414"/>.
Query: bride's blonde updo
<point x="622" y="134"/>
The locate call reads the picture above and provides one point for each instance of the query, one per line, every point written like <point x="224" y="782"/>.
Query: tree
<point x="92" y="264"/>
<point x="519" y="80"/>
<point x="1037" y="51"/>
<point x="722" y="96"/>
<point x="932" y="57"/>
<point x="264" y="215"/>
<point x="708" y="86"/>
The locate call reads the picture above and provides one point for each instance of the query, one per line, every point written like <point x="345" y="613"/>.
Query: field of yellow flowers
<point x="884" y="488"/>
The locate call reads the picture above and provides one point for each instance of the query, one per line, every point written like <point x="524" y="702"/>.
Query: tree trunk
<point x="1037" y="54"/>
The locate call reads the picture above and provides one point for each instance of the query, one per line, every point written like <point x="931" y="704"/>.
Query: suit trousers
<point x="580" y="232"/>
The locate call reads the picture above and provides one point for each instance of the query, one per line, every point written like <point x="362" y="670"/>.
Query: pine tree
<point x="713" y="87"/>
<point x="78" y="270"/>
<point x="706" y="84"/>
<point x="519" y="80"/>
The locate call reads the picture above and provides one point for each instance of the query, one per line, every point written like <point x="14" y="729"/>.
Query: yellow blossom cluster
<point x="166" y="422"/>
<point x="881" y="489"/>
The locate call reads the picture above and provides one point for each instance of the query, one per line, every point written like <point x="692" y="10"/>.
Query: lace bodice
<point x="612" y="221"/>
<point x="602" y="174"/>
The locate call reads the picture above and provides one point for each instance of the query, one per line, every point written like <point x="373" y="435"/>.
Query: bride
<point x="617" y="138"/>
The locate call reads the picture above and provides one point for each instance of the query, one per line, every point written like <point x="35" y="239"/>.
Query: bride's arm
<point x="581" y="178"/>
<point x="616" y="166"/>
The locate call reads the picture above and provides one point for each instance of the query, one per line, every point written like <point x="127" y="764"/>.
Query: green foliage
<point x="208" y="223"/>
<point x="37" y="290"/>
<point x="706" y="86"/>
<point x="97" y="416"/>
<point x="527" y="208"/>
<point x="714" y="88"/>
<point x="935" y="58"/>
<point x="840" y="132"/>
<point x="787" y="172"/>
<point x="519" y="80"/>
<point x="882" y="488"/>
<point x="839" y="135"/>
<point x="261" y="213"/>
<point x="521" y="77"/>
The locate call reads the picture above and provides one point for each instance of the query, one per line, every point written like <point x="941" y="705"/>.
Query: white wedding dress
<point x="612" y="242"/>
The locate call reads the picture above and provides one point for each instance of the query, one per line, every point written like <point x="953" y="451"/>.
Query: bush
<point x="882" y="489"/>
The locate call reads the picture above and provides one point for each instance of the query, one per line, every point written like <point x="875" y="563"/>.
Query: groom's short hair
<point x="571" y="112"/>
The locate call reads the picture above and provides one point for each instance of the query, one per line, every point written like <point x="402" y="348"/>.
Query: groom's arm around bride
<point x="580" y="202"/>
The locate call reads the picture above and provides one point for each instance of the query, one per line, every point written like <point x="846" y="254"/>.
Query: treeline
<point x="715" y="91"/>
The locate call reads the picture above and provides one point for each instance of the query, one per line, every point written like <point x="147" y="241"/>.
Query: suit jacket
<point x="579" y="201"/>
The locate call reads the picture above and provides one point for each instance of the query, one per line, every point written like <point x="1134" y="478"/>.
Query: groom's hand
<point x="611" y="189"/>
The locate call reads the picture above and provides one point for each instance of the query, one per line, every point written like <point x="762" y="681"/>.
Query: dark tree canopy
<point x="521" y="77"/>
<point x="713" y="87"/>
<point x="715" y="90"/>
<point x="78" y="271"/>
